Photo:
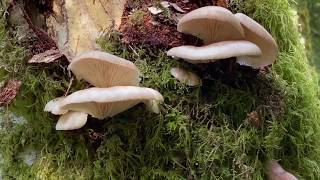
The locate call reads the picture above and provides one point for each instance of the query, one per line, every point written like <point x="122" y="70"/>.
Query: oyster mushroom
<point x="211" y="24"/>
<point x="54" y="107"/>
<point x="104" y="70"/>
<point x="108" y="102"/>
<point x="256" y="48"/>
<point x="257" y="34"/>
<point x="69" y="120"/>
<point x="72" y="120"/>
<point x="276" y="172"/>
<point x="221" y="32"/>
<point x="213" y="52"/>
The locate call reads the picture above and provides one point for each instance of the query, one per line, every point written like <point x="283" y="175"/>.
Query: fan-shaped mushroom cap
<point x="257" y="34"/>
<point x="54" y="106"/>
<point x="71" y="121"/>
<point x="212" y="52"/>
<point x="107" y="102"/>
<point x="185" y="76"/>
<point x="211" y="24"/>
<point x="104" y="70"/>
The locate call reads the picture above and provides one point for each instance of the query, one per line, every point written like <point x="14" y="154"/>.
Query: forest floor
<point x="226" y="129"/>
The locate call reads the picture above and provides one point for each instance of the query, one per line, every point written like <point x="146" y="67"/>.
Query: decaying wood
<point x="76" y="24"/>
<point x="35" y="39"/>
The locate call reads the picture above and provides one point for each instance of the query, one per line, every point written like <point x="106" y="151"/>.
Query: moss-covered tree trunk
<point x="203" y="132"/>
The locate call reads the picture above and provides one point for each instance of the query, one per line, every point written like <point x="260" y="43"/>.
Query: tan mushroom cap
<point x="185" y="76"/>
<point x="213" y="52"/>
<point x="54" y="106"/>
<point x="104" y="70"/>
<point x="211" y="24"/>
<point x="71" y="121"/>
<point x="257" y="34"/>
<point x="107" y="102"/>
<point x="276" y="172"/>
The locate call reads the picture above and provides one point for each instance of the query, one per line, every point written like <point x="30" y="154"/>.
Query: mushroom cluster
<point x="116" y="82"/>
<point x="225" y="35"/>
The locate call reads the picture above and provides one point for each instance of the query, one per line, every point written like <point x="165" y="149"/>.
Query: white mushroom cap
<point x="107" y="102"/>
<point x="257" y="34"/>
<point x="104" y="70"/>
<point x="185" y="76"/>
<point x="213" y="52"/>
<point x="71" y="121"/>
<point x="276" y="172"/>
<point x="211" y="24"/>
<point x="54" y="107"/>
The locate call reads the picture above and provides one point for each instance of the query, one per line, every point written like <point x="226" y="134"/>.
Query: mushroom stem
<point x="185" y="76"/>
<point x="71" y="121"/>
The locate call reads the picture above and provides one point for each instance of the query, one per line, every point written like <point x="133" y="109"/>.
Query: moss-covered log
<point x="201" y="133"/>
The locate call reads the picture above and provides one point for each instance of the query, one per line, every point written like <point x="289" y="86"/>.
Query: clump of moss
<point x="308" y="12"/>
<point x="136" y="18"/>
<point x="200" y="133"/>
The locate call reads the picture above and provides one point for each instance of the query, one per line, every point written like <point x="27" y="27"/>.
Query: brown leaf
<point x="9" y="92"/>
<point x="222" y="3"/>
<point x="254" y="119"/>
<point x="177" y="8"/>
<point x="46" y="57"/>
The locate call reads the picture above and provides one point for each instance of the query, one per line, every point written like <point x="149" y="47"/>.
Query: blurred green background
<point x="309" y="18"/>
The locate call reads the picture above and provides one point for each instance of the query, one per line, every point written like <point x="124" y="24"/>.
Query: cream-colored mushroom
<point x="72" y="120"/>
<point x="69" y="120"/>
<point x="54" y="107"/>
<point x="257" y="34"/>
<point x="185" y="76"/>
<point x="213" y="52"/>
<point x="211" y="24"/>
<point x="107" y="102"/>
<point x="276" y="172"/>
<point x="104" y="70"/>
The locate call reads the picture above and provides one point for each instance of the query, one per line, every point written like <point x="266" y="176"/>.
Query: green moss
<point x="136" y="18"/>
<point x="200" y="132"/>
<point x="309" y="13"/>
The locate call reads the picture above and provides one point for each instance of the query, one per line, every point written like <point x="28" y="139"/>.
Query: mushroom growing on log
<point x="225" y="35"/>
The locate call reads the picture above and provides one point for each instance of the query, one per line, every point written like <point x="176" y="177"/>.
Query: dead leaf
<point x="222" y="3"/>
<point x="155" y="10"/>
<point x="46" y="57"/>
<point x="9" y="92"/>
<point x="165" y="4"/>
<point x="254" y="119"/>
<point x="177" y="8"/>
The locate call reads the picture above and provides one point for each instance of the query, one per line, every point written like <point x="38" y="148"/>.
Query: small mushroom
<point x="211" y="24"/>
<point x="257" y="34"/>
<point x="104" y="70"/>
<point x="185" y="76"/>
<point x="276" y="172"/>
<point x="71" y="121"/>
<point x="213" y="52"/>
<point x="107" y="102"/>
